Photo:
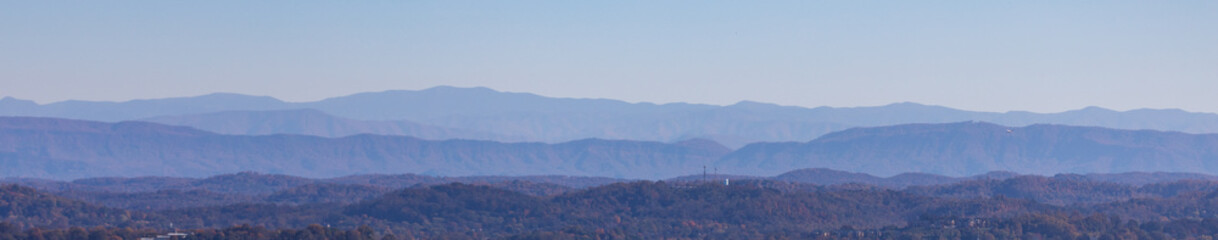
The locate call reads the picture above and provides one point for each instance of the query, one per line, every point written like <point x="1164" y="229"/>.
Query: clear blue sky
<point x="1043" y="56"/>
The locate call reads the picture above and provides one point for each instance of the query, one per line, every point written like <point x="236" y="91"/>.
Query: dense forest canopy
<point x="255" y="206"/>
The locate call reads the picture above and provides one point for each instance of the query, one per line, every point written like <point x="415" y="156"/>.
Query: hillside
<point x="748" y="210"/>
<point x="38" y="209"/>
<point x="160" y="193"/>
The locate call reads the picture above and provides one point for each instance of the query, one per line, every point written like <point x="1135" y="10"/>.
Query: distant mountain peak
<point x="705" y="144"/>
<point x="219" y="97"/>
<point x="1095" y="109"/>
<point x="10" y="101"/>
<point x="443" y="91"/>
<point x="746" y="103"/>
<point x="906" y="103"/>
<point x="1165" y="110"/>
<point x="225" y="95"/>
<point x="760" y="106"/>
<point x="914" y="106"/>
<point x="455" y="88"/>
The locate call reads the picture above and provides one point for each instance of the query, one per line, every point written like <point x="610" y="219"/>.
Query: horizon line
<point x="11" y="98"/>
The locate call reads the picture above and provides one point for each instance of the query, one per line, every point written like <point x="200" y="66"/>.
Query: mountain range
<point x="59" y="148"/>
<point x="974" y="147"/>
<point x="443" y="113"/>
<point x="316" y="123"/>
<point x="70" y="149"/>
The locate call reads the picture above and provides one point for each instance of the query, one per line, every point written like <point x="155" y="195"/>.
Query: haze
<point x="990" y="55"/>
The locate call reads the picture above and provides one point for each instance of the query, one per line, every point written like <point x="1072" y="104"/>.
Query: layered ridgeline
<point x="58" y="148"/>
<point x="69" y="149"/>
<point x="967" y="148"/>
<point x="484" y="114"/>
<point x="317" y="123"/>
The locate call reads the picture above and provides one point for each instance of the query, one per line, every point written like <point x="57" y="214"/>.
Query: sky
<point x="1040" y="56"/>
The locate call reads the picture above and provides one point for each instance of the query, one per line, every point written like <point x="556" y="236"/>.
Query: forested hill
<point x="1020" y="207"/>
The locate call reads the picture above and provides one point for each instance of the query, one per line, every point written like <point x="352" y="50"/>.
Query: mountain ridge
<point x="60" y="148"/>
<point x="527" y="117"/>
<point x="967" y="148"/>
<point x="67" y="154"/>
<point x="315" y="123"/>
